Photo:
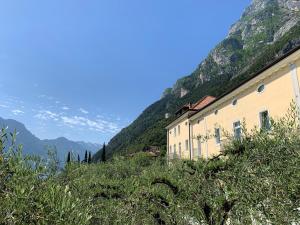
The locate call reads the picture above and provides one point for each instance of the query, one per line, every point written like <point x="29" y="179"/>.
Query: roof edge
<point x="268" y="66"/>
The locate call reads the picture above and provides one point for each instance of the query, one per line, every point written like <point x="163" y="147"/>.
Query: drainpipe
<point x="206" y="141"/>
<point x="190" y="143"/>
<point x="295" y="83"/>
<point x="168" y="151"/>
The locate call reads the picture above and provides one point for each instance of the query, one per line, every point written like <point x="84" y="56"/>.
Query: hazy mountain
<point x="266" y="30"/>
<point x="33" y="145"/>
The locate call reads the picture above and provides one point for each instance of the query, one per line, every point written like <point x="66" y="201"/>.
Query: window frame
<point x="234" y="102"/>
<point x="218" y="138"/>
<point x="174" y="147"/>
<point x="236" y="128"/>
<point x="187" y="145"/>
<point x="261" y="120"/>
<point x="199" y="148"/>
<point x="263" y="90"/>
<point x="179" y="149"/>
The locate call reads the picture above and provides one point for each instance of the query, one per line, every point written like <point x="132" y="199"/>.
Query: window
<point x="186" y="145"/>
<point x="170" y="149"/>
<point x="199" y="147"/>
<point x="179" y="149"/>
<point x="174" y="134"/>
<point x="237" y="130"/>
<point x="178" y="129"/>
<point x="265" y="120"/>
<point x="218" y="135"/>
<point x="234" y="102"/>
<point x="261" y="88"/>
<point x="175" y="150"/>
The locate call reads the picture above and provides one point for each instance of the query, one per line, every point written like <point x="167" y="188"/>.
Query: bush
<point x="255" y="180"/>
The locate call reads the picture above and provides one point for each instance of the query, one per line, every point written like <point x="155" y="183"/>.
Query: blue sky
<point x="86" y="69"/>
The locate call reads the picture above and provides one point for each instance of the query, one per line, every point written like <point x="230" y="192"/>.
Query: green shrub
<point x="255" y="180"/>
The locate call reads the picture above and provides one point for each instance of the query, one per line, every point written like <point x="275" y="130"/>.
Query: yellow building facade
<point x="198" y="132"/>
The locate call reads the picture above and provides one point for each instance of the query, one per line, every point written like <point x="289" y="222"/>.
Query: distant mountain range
<point x="33" y="145"/>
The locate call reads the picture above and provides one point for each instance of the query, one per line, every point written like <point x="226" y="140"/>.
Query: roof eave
<point x="183" y="116"/>
<point x="270" y="65"/>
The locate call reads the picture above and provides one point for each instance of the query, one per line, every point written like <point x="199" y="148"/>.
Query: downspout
<point x="206" y="141"/>
<point x="168" y="151"/>
<point x="190" y="143"/>
<point x="295" y="83"/>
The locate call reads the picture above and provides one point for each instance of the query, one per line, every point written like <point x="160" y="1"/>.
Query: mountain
<point x="266" y="30"/>
<point x="33" y="145"/>
<point x="63" y="145"/>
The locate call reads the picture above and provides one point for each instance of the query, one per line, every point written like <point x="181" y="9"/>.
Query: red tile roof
<point x="197" y="106"/>
<point x="203" y="102"/>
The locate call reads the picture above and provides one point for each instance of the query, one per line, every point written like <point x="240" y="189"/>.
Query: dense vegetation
<point x="256" y="179"/>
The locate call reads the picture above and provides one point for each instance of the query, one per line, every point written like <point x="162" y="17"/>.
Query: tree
<point x="69" y="157"/>
<point x="90" y="158"/>
<point x="103" y="156"/>
<point x="78" y="158"/>
<point x="86" y="157"/>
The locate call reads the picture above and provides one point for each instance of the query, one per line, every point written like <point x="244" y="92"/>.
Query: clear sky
<point x="85" y="69"/>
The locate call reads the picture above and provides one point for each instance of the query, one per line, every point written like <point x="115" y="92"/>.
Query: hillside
<point x="33" y="145"/>
<point x="266" y="30"/>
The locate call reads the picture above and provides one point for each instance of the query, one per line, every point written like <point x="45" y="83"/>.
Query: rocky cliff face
<point x="262" y="23"/>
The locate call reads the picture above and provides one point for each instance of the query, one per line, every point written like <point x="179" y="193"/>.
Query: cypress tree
<point x="103" y="156"/>
<point x="78" y="158"/>
<point x="69" y="157"/>
<point x="86" y="157"/>
<point x="90" y="158"/>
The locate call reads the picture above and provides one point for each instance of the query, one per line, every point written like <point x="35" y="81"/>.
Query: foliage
<point x="85" y="157"/>
<point x="69" y="157"/>
<point x="254" y="180"/>
<point x="103" y="156"/>
<point x="90" y="158"/>
<point x="30" y="192"/>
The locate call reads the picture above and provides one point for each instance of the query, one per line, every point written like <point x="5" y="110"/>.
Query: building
<point x="197" y="130"/>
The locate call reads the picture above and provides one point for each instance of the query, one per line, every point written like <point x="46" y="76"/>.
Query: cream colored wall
<point x="198" y="130"/>
<point x="276" y="98"/>
<point x="298" y="69"/>
<point x="180" y="138"/>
